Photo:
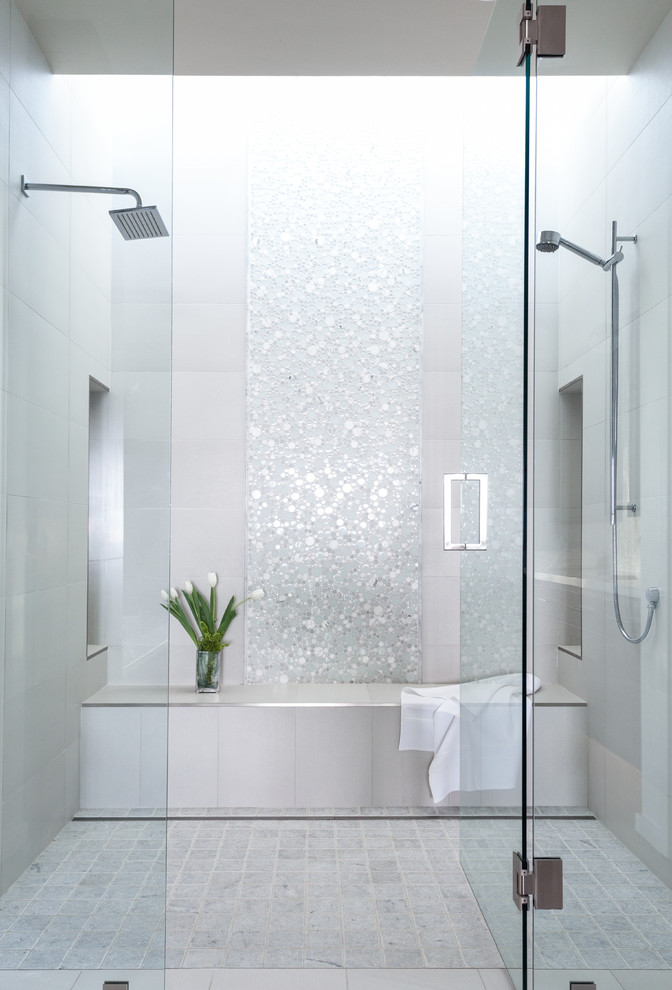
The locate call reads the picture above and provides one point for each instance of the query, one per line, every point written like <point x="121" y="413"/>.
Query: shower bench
<point x="293" y="746"/>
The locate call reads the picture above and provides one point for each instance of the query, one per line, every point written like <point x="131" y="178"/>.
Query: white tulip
<point x="212" y="579"/>
<point x="173" y="594"/>
<point x="165" y="596"/>
<point x="188" y="587"/>
<point x="259" y="593"/>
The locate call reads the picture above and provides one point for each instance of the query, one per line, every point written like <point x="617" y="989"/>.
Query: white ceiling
<point x="328" y="37"/>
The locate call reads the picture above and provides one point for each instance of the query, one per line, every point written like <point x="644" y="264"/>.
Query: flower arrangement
<point x="203" y="627"/>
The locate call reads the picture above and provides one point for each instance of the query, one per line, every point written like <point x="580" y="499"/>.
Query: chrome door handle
<point x="449" y="541"/>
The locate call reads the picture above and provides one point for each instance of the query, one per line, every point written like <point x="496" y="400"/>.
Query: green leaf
<point x="191" y="602"/>
<point x="181" y="618"/>
<point x="228" y="617"/>
<point x="204" y="608"/>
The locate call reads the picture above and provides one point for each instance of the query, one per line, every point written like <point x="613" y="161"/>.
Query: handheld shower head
<point x="136" y="223"/>
<point x="551" y="240"/>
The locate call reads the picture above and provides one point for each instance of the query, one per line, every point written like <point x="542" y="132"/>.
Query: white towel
<point x="474" y="731"/>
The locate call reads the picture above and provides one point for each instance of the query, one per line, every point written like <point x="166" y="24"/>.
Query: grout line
<point x="333" y="818"/>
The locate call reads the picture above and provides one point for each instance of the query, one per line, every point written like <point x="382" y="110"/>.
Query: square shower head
<point x="139" y="223"/>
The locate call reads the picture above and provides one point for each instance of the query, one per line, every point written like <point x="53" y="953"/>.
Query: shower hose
<point x="652" y="594"/>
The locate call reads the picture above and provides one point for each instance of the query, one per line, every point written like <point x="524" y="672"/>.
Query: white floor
<point x="259" y="979"/>
<point x="300" y="979"/>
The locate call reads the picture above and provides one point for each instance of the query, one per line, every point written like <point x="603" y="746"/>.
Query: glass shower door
<point x="85" y="327"/>
<point x="495" y="707"/>
<point x="602" y="508"/>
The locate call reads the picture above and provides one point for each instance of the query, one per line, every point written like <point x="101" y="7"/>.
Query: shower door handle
<point x="451" y="539"/>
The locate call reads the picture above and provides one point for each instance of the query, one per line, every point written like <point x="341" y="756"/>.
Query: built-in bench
<point x="293" y="746"/>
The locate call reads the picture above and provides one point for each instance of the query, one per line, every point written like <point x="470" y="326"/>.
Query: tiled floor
<point x="322" y="894"/>
<point x="617" y="915"/>
<point x="344" y="894"/>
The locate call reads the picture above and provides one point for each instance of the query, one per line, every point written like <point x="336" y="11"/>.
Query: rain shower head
<point x="134" y="224"/>
<point x="551" y="240"/>
<point x="139" y="222"/>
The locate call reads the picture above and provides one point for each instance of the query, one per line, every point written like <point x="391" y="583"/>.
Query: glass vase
<point x="207" y="671"/>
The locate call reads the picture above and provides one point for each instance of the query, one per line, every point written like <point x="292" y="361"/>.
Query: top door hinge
<point x="542" y="885"/>
<point x="547" y="31"/>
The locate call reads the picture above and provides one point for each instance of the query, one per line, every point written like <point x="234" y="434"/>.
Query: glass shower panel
<point x="603" y="392"/>
<point x="86" y="334"/>
<point x="493" y="705"/>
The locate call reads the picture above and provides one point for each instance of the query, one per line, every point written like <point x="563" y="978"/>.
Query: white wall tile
<point x="443" y="184"/>
<point x="76" y="625"/>
<point x="257" y="757"/>
<point x="441" y="339"/>
<point x="560" y="756"/>
<point x="92" y="232"/>
<point x="39" y="268"/>
<point x="204" y="541"/>
<point x="636" y="98"/>
<point x="333" y="757"/>
<point x="78" y="519"/>
<point x="210" y="269"/>
<point x="46" y="97"/>
<point x="146" y="404"/>
<point x="441" y="611"/>
<point x="209" y="336"/>
<point x="436" y="562"/>
<point x="78" y="474"/>
<point x="37" y="354"/>
<point x="30" y="154"/>
<point x="145" y="566"/>
<point x="34" y="731"/>
<point x="442" y="269"/>
<point x="192" y="757"/>
<point x="210" y="474"/>
<point x="399" y="778"/>
<point x="141" y="336"/>
<point x="31" y="817"/>
<point x="37" y="452"/>
<point x="147" y="474"/>
<point x="440" y="664"/>
<point x="209" y="405"/>
<point x="153" y="751"/>
<point x="4" y="38"/>
<point x="90" y="317"/>
<point x="221" y="162"/>
<point x="441" y="407"/>
<point x="439" y="457"/>
<point x="37" y="543"/>
<point x="142" y="269"/>
<point x="44" y="642"/>
<point x="110" y="759"/>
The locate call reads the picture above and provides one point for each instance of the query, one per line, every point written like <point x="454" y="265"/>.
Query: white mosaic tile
<point x="333" y="409"/>
<point x="492" y="380"/>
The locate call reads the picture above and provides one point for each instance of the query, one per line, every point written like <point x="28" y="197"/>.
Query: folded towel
<point x="474" y="731"/>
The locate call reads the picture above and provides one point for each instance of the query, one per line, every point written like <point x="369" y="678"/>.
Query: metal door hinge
<point x="582" y="985"/>
<point x="115" y="985"/>
<point x="541" y="886"/>
<point x="547" y="31"/>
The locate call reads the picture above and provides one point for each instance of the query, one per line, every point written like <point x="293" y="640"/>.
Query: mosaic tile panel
<point x="492" y="375"/>
<point x="333" y="409"/>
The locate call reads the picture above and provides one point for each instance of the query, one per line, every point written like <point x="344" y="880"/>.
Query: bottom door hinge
<point x="541" y="886"/>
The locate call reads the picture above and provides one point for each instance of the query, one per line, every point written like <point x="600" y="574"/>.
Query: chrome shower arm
<point x="57" y="187"/>
<point x="582" y="252"/>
